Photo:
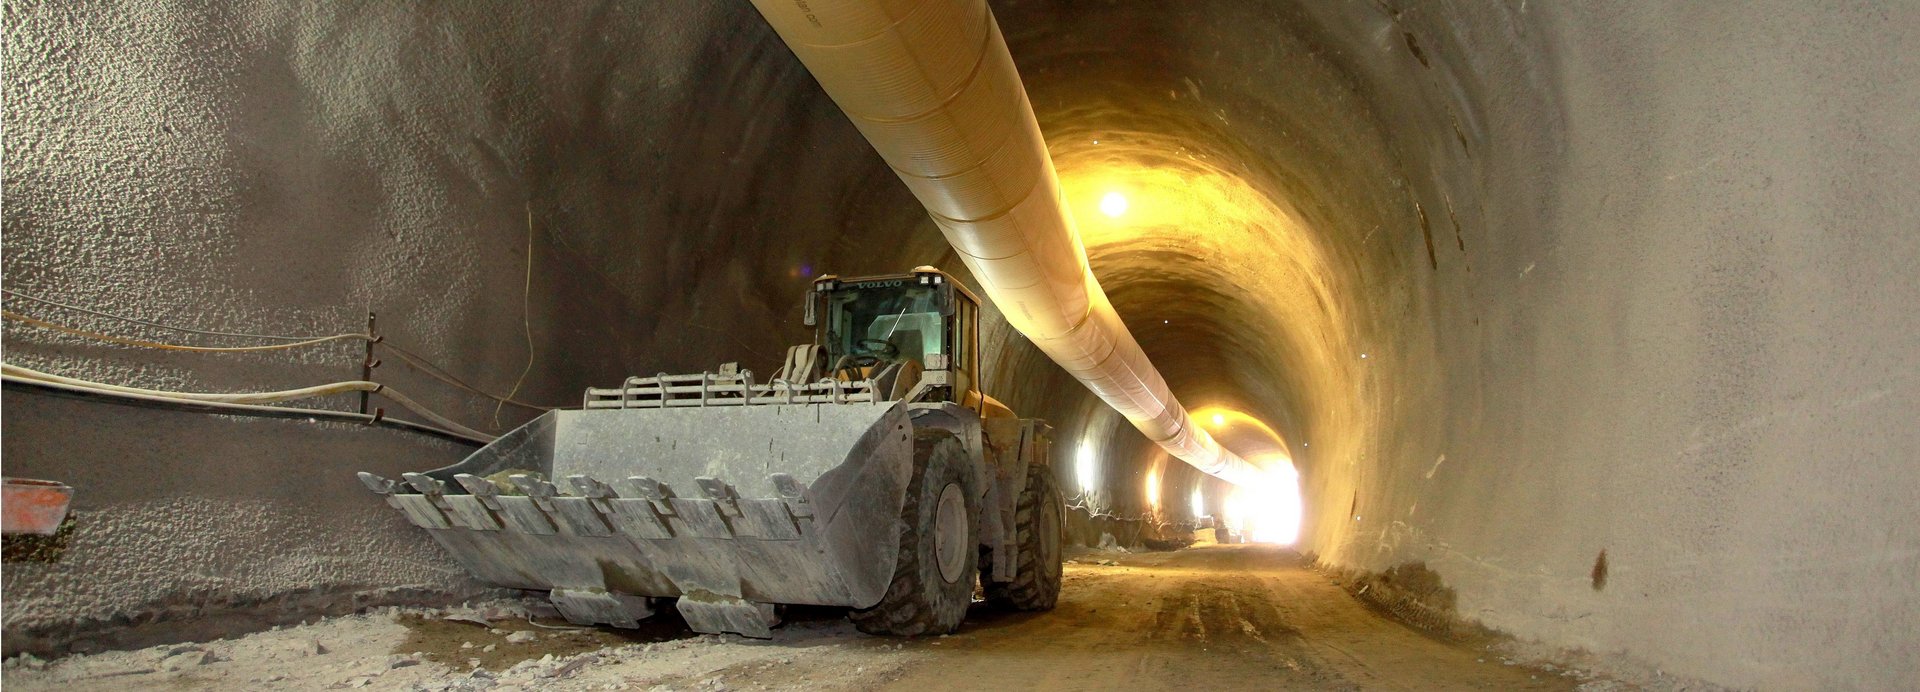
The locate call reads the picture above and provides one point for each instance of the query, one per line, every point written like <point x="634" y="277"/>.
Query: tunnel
<point x="1588" y="333"/>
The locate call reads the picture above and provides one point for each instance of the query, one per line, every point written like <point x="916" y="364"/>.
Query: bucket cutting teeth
<point x="647" y="488"/>
<point x="590" y="488"/>
<point x="636" y="507"/>
<point x="419" y="508"/>
<point x="608" y="510"/>
<point x="479" y="487"/>
<point x="379" y="486"/>
<point x="425" y="484"/>
<point x="794" y="492"/>
<point x="633" y="514"/>
<point x="476" y="509"/>
<point x="722" y="495"/>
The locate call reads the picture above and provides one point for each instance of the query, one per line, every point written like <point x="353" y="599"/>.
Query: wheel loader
<point x="868" y="472"/>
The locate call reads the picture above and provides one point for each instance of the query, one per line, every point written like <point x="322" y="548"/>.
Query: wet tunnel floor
<point x="1212" y="617"/>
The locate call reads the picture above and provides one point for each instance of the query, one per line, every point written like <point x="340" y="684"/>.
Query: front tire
<point x="933" y="576"/>
<point x="1037" y="520"/>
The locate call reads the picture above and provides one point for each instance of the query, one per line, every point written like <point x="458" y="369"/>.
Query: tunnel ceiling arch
<point x="1632" y="277"/>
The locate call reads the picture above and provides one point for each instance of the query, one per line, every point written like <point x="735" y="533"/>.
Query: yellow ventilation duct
<point x="932" y="86"/>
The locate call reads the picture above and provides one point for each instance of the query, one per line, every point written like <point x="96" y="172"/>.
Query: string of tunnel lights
<point x="1271" y="514"/>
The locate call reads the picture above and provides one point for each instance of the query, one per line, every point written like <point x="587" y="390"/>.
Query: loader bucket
<point x="729" y="509"/>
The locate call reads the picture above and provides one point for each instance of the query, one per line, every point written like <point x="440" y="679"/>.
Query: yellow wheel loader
<point x="868" y="472"/>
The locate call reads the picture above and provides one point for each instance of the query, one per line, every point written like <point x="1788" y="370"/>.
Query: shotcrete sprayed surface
<point x="283" y="169"/>
<point x="1517" y="283"/>
<point x="197" y="550"/>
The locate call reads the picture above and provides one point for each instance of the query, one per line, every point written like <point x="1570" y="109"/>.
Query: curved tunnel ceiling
<point x="1516" y="283"/>
<point x="1238" y="261"/>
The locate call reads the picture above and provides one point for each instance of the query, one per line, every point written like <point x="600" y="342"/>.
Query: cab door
<point x="963" y="342"/>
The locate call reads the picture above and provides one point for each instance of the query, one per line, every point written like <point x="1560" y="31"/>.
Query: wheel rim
<point x="950" y="532"/>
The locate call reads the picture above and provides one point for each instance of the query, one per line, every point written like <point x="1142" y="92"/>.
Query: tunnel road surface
<point x="1220" y="617"/>
<point x="1208" y="618"/>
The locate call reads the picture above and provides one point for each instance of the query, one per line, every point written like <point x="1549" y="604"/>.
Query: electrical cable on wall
<point x="436" y="372"/>
<point x="1084" y="503"/>
<point x="237" y="409"/>
<point x="526" y="320"/>
<point x="415" y="359"/>
<point x="329" y="389"/>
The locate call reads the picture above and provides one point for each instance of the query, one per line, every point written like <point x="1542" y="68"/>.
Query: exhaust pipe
<point x="931" y="85"/>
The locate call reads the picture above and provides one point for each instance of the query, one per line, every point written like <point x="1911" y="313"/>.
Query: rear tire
<point x="1038" y="518"/>
<point x="933" y="576"/>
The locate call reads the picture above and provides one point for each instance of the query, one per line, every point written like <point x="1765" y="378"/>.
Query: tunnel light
<point x="1113" y="205"/>
<point x="1083" y="468"/>
<point x="1274" y="511"/>
<point x="1153" y="489"/>
<point x="1199" y="504"/>
<point x="1219" y="420"/>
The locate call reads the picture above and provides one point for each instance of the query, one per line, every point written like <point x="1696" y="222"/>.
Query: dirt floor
<point x="1213" y="617"/>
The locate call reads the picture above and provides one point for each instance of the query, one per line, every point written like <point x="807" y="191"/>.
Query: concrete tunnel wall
<point x="1633" y="279"/>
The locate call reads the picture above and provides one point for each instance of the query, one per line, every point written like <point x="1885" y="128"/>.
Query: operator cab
<point x="923" y="322"/>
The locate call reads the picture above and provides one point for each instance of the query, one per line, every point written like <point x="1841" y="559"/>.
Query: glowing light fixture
<point x="1153" y="489"/>
<point x="1083" y="468"/>
<point x="1274" y="511"/>
<point x="1113" y="204"/>
<point x="1199" y="504"/>
<point x="1270" y="509"/>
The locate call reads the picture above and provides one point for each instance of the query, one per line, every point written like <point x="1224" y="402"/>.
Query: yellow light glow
<point x="1083" y="468"/>
<point x="1268" y="512"/>
<point x="1274" y="512"/>
<point x="1205" y="215"/>
<point x="1221" y="416"/>
<point x="1153" y="489"/>
<point x="1209" y="210"/>
<point x="1199" y="504"/>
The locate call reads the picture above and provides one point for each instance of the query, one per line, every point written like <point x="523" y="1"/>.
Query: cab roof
<point x="913" y="275"/>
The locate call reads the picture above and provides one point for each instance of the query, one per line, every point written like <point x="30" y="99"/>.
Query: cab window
<point x="886" y="322"/>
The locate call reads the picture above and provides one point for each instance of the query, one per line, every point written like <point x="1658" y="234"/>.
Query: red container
<point x="31" y="506"/>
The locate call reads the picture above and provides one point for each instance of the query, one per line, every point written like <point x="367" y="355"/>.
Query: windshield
<point x="894" y="320"/>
